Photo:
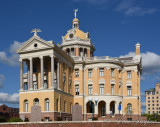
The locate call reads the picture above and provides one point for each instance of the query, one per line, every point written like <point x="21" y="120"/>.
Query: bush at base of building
<point x="152" y="117"/>
<point x="15" y="119"/>
<point x="3" y="120"/>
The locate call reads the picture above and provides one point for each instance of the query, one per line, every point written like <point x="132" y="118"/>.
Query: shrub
<point x="59" y="118"/>
<point x="15" y="119"/>
<point x="95" y="118"/>
<point x="3" y="120"/>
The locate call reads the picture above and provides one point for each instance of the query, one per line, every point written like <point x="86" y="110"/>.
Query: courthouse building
<point x="56" y="77"/>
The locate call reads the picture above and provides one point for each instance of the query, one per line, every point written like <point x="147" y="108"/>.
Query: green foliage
<point x="59" y="118"/>
<point x="152" y="117"/>
<point x="95" y="118"/>
<point x="3" y="120"/>
<point x="15" y="119"/>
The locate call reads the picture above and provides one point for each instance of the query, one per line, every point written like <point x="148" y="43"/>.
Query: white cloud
<point x="143" y="105"/>
<point x="10" y="99"/>
<point x="143" y="94"/>
<point x="2" y="78"/>
<point x="150" y="62"/>
<point x="130" y="8"/>
<point x="12" y="59"/>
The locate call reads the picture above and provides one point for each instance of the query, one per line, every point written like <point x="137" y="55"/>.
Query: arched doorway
<point x="112" y="107"/>
<point x="101" y="108"/>
<point x="90" y="107"/>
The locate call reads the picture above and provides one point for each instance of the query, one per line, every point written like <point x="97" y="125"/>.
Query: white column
<point x="107" y="108"/>
<point x="31" y="74"/>
<point x="28" y="74"/>
<point x="58" y="83"/>
<point x="96" y="108"/>
<point x="116" y="108"/>
<point x="42" y="72"/>
<point x="52" y="71"/>
<point x="21" y="75"/>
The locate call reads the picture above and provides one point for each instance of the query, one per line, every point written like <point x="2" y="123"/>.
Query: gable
<point x="35" y="43"/>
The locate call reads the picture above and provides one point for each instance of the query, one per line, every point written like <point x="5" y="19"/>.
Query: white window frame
<point x="76" y="72"/>
<point x="129" y="74"/>
<point x="77" y="89"/>
<point x="112" y="89"/>
<point x="129" y="108"/>
<point x="101" y="72"/>
<point x="47" y="104"/>
<point x="101" y="89"/>
<point x="90" y="89"/>
<point x="112" y="72"/>
<point x="89" y="72"/>
<point x="26" y="105"/>
<point x="129" y="90"/>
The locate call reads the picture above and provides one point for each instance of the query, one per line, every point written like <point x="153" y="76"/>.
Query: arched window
<point x="47" y="104"/>
<point x="26" y="105"/>
<point x="129" y="108"/>
<point x="36" y="101"/>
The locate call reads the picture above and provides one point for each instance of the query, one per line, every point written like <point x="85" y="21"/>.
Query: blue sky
<point x="115" y="27"/>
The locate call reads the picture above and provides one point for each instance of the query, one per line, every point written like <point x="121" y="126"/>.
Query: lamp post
<point x="90" y="101"/>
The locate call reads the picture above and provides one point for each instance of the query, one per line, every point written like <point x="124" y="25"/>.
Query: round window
<point x="35" y="45"/>
<point x="71" y="35"/>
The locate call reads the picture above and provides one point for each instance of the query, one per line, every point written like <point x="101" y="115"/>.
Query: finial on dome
<point x="75" y="12"/>
<point x="75" y="22"/>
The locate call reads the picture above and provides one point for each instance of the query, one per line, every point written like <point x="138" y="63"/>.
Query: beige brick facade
<point x="61" y="76"/>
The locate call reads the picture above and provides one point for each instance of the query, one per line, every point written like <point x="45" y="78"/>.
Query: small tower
<point x="75" y="22"/>
<point x="138" y="47"/>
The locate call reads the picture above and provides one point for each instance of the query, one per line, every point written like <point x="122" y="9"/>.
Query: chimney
<point x="138" y="47"/>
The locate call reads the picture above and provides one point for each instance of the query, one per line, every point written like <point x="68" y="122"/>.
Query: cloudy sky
<point x="115" y="27"/>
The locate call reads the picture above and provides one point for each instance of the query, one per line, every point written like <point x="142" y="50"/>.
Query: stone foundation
<point x="53" y="116"/>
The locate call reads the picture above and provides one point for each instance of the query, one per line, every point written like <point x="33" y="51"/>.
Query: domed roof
<point x="75" y="20"/>
<point x="78" y="33"/>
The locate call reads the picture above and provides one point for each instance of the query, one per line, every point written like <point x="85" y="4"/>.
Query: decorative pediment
<point x="35" y="43"/>
<point x="128" y="83"/>
<point x="103" y="81"/>
<point x="90" y="81"/>
<point x="113" y="81"/>
<point x="76" y="81"/>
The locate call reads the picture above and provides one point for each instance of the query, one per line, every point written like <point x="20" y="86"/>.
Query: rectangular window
<point x="90" y="89"/>
<point x="76" y="89"/>
<point x="112" y="89"/>
<point x="112" y="72"/>
<point x="129" y="90"/>
<point x="153" y="101"/>
<point x="129" y="75"/>
<point x="148" y="97"/>
<point x="157" y="92"/>
<point x="152" y="104"/>
<point x="76" y="72"/>
<point x="157" y="97"/>
<point x="157" y="104"/>
<point x="152" y="97"/>
<point x="153" y="112"/>
<point x="148" y="108"/>
<point x="148" y="104"/>
<point x="89" y="72"/>
<point x="101" y="72"/>
<point x="101" y="89"/>
<point x="148" y="101"/>
<point x="153" y="93"/>
<point x="148" y="112"/>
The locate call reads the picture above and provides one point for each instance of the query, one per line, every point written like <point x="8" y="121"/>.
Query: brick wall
<point x="82" y="124"/>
